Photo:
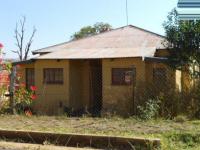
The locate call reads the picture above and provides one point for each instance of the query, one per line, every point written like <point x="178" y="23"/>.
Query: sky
<point x="57" y="20"/>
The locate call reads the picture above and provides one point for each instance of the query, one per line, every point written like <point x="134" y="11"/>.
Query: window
<point x="53" y="75"/>
<point x="159" y="76"/>
<point x="123" y="76"/>
<point x="30" y="77"/>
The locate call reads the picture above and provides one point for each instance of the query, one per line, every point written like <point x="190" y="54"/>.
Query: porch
<point x="85" y="86"/>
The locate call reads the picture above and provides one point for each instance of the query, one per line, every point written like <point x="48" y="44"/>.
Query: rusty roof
<point x="128" y="41"/>
<point x="100" y="53"/>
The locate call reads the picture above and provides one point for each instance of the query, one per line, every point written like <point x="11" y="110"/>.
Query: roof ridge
<point x="154" y="33"/>
<point x="132" y="26"/>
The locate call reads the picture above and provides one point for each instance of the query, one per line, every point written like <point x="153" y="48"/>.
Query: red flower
<point x="33" y="88"/>
<point x="33" y="97"/>
<point x="28" y="113"/>
<point x="1" y="45"/>
<point x="7" y="78"/>
<point x="23" y="85"/>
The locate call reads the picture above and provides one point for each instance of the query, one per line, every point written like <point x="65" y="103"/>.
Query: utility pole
<point x="126" y="12"/>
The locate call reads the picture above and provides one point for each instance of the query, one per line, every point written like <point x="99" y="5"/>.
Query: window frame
<point x="27" y="82"/>
<point x="53" y="77"/>
<point x="123" y="81"/>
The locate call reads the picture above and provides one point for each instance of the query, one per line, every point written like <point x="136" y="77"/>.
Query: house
<point x="98" y="73"/>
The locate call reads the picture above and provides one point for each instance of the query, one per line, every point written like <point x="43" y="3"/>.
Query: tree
<point x="91" y="30"/>
<point x="183" y="42"/>
<point x="23" y="48"/>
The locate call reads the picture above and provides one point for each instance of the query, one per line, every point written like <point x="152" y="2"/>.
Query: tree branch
<point x="19" y="36"/>
<point x="28" y="45"/>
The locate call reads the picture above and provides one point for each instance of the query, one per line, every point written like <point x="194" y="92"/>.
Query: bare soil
<point x="25" y="146"/>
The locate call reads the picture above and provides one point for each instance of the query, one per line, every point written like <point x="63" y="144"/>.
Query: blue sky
<point x="57" y="20"/>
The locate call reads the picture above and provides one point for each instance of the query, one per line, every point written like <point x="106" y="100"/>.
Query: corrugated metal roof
<point x="100" y="53"/>
<point x="127" y="41"/>
<point x="128" y="36"/>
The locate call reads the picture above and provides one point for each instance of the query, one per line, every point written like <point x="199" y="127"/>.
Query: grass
<point x="174" y="135"/>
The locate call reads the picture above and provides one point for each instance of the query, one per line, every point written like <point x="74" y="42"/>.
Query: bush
<point x="180" y="118"/>
<point x="150" y="110"/>
<point x="169" y="99"/>
<point x="192" y="100"/>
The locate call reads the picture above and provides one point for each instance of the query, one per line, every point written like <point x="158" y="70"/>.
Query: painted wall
<point x="119" y="98"/>
<point x="122" y="99"/>
<point x="79" y="84"/>
<point x="51" y="98"/>
<point x="75" y="92"/>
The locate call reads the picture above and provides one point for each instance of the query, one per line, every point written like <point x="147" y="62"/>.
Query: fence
<point x="93" y="88"/>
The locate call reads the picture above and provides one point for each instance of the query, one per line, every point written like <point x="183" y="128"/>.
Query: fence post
<point x="12" y="88"/>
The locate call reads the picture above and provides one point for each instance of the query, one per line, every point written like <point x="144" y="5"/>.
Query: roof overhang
<point x="156" y="59"/>
<point x="100" y="53"/>
<point x="23" y="62"/>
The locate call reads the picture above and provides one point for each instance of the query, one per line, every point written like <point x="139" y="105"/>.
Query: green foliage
<point x="4" y="101"/>
<point x="23" y="98"/>
<point x="187" y="140"/>
<point x="183" y="42"/>
<point x="150" y="110"/>
<point x="169" y="98"/>
<point x="91" y="30"/>
<point x="180" y="118"/>
<point x="191" y="100"/>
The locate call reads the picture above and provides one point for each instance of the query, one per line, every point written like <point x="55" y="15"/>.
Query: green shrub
<point x="180" y="118"/>
<point x="170" y="99"/>
<point x="150" y="110"/>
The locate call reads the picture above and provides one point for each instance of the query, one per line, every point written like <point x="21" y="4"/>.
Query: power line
<point x="127" y="12"/>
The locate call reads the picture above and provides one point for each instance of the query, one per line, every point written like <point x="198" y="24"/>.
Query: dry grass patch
<point x="176" y="135"/>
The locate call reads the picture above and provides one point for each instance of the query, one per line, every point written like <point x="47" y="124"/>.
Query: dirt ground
<point x="24" y="146"/>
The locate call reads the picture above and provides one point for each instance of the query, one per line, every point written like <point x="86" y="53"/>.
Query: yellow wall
<point x="79" y="84"/>
<point x="162" y="53"/>
<point x="75" y="92"/>
<point x="49" y="96"/>
<point x="171" y="74"/>
<point x="119" y="98"/>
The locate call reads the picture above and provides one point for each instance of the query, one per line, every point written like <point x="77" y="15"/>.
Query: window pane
<point x="30" y="77"/>
<point x="53" y="75"/>
<point x="159" y="77"/>
<point x="123" y="76"/>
